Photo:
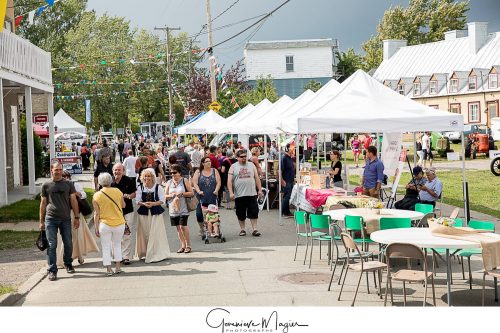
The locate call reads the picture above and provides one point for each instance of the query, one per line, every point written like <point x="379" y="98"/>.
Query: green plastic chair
<point x="467" y="253"/>
<point x="355" y="223"/>
<point x="301" y="221"/>
<point x="319" y="221"/>
<point x="394" y="223"/>
<point x="424" y="208"/>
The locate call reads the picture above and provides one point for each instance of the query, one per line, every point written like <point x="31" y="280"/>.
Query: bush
<point x="24" y="151"/>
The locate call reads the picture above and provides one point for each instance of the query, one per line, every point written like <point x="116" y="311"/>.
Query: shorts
<point x="246" y="207"/>
<point x="428" y="155"/>
<point x="179" y="220"/>
<point x="356" y="151"/>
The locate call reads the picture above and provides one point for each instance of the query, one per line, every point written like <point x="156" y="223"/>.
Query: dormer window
<point x="472" y="82"/>
<point x="433" y="87"/>
<point x="401" y="89"/>
<point x="454" y="86"/>
<point x="493" y="81"/>
<point x="416" y="89"/>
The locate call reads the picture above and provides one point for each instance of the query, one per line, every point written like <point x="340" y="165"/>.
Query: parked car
<point x="456" y="136"/>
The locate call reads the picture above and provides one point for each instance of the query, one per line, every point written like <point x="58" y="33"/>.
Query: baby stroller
<point x="262" y="201"/>
<point x="212" y="209"/>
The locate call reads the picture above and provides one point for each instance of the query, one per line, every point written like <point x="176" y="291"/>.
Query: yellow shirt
<point x="109" y="213"/>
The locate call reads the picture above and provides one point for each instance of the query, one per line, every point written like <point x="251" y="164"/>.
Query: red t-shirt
<point x="215" y="162"/>
<point x="368" y="141"/>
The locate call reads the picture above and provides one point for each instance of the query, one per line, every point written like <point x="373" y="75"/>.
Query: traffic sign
<point x="215" y="106"/>
<point x="172" y="117"/>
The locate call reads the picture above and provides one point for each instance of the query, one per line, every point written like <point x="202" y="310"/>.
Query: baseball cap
<point x="213" y="208"/>
<point x="180" y="145"/>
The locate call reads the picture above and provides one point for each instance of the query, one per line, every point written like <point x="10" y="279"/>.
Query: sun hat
<point x="213" y="208"/>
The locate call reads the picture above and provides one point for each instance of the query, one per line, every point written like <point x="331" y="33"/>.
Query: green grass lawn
<point x="484" y="189"/>
<point x="17" y="239"/>
<point x="6" y="289"/>
<point x="28" y="210"/>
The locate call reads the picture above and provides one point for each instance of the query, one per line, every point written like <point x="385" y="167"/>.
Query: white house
<point x="24" y="70"/>
<point x="290" y="63"/>
<point x="459" y="74"/>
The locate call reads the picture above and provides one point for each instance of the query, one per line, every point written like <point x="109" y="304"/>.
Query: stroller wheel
<point x="207" y="241"/>
<point x="223" y="240"/>
<point x="203" y="237"/>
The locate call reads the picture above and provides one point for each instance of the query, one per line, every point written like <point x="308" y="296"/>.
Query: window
<point x="455" y="108"/>
<point x="472" y="82"/>
<point x="433" y="87"/>
<point x="474" y="115"/>
<point x="493" y="81"/>
<point x="434" y="106"/>
<point x="416" y="89"/>
<point x="289" y="63"/>
<point x="453" y="85"/>
<point x="7" y="25"/>
<point x="401" y="89"/>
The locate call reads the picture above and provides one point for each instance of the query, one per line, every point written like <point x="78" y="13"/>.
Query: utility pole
<point x="213" y="88"/>
<point x="169" y="80"/>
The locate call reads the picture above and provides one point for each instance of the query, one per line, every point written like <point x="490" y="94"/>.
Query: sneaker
<point x="287" y="216"/>
<point x="126" y="261"/>
<point x="69" y="269"/>
<point x="52" y="276"/>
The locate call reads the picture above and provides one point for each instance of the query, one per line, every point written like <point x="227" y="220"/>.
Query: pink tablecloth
<point x="318" y="198"/>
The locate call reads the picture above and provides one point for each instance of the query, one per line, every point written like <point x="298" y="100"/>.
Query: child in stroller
<point x="212" y="220"/>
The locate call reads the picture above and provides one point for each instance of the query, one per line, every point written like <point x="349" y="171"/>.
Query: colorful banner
<point x="391" y="149"/>
<point x="70" y="162"/>
<point x="31" y="14"/>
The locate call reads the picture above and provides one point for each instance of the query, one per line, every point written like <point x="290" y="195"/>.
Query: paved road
<point x="243" y="271"/>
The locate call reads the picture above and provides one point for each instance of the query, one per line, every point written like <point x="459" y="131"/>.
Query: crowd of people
<point x="133" y="182"/>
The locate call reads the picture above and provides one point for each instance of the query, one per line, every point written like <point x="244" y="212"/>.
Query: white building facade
<point x="290" y="63"/>
<point x="459" y="74"/>
<point x="25" y="70"/>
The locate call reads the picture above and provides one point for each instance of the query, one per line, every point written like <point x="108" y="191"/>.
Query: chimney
<point x="454" y="34"/>
<point x="478" y="35"/>
<point x="391" y="46"/>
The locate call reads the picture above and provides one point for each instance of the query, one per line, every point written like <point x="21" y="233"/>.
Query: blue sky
<point x="351" y="22"/>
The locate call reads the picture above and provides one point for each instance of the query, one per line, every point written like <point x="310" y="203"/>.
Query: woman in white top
<point x="152" y="243"/>
<point x="82" y="239"/>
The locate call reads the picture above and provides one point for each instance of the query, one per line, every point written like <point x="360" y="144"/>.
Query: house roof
<point x="282" y="44"/>
<point x="444" y="56"/>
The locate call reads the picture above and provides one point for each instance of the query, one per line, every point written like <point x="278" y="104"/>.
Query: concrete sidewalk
<point x="246" y="271"/>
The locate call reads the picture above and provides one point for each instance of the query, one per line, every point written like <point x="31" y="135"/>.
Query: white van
<point x="495" y="128"/>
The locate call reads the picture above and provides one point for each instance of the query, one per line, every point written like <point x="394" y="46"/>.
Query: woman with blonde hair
<point x="255" y="159"/>
<point x="109" y="222"/>
<point x="152" y="243"/>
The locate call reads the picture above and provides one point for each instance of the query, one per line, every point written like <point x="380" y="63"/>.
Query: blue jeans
<point x="287" y="193"/>
<point x="51" y="228"/>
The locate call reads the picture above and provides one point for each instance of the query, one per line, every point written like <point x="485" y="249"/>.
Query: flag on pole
<point x="49" y="2"/>
<point x="18" y="20"/>
<point x="3" y="10"/>
<point x="31" y="17"/>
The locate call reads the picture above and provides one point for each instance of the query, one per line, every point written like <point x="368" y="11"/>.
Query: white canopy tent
<point x="200" y="125"/>
<point x="362" y="104"/>
<point x="65" y="123"/>
<point x="235" y="121"/>
<point x="213" y="128"/>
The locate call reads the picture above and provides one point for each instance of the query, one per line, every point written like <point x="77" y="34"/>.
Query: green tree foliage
<point x="50" y="28"/>
<point x="313" y="85"/>
<point x="264" y="88"/>
<point x="423" y="21"/>
<point x="24" y="152"/>
<point x="348" y="63"/>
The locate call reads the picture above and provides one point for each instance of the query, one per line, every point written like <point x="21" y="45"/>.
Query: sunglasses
<point x="242" y="156"/>
<point x="174" y="173"/>
<point x="208" y="161"/>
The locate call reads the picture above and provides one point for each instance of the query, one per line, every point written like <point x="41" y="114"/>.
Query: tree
<point x="313" y="85"/>
<point x="423" y="21"/>
<point x="264" y="88"/>
<point x="49" y="29"/>
<point x="349" y="62"/>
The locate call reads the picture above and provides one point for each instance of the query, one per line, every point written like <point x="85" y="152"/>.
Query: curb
<point x="11" y="299"/>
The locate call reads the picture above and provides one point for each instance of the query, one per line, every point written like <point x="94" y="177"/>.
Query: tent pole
<point x="465" y="184"/>
<point x="346" y="167"/>
<point x="297" y="164"/>
<point x="318" y="162"/>
<point x="265" y="169"/>
<point x="279" y="180"/>
<point x="324" y="146"/>
<point x="414" y="149"/>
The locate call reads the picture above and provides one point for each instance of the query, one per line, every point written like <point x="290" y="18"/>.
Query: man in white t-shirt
<point x="129" y="164"/>
<point x="426" y="148"/>
<point x="189" y="148"/>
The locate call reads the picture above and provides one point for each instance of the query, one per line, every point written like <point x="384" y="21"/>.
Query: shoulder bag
<point x="191" y="202"/>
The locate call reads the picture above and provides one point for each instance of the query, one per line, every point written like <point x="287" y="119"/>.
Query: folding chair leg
<point x="470" y="273"/>
<point x="433" y="291"/>
<point x="311" y="254"/>
<point x="484" y="285"/>
<point x="463" y="272"/>
<point x="374" y="279"/>
<point x="425" y="292"/>
<point x="404" y="293"/>
<point x="380" y="283"/>
<point x="496" y="289"/>
<point x="357" y="288"/>
<point x="307" y="247"/>
<point x="392" y="295"/>
<point x="320" y="243"/>
<point x="386" y="289"/>
<point x="296" y="247"/>
<point x="343" y="282"/>
<point x="367" y="283"/>
<point x="342" y="271"/>
<point x="333" y="273"/>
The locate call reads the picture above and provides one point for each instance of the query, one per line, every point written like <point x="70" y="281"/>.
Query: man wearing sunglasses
<point x="242" y="183"/>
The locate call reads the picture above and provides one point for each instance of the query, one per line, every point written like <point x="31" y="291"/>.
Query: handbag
<point x="192" y="202"/>
<point x="84" y="206"/>
<point x="126" y="232"/>
<point x="41" y="241"/>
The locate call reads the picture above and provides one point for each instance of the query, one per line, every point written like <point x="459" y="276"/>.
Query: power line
<point x="227" y="25"/>
<point x="225" y="10"/>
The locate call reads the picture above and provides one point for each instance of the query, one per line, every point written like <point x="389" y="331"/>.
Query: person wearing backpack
<point x="226" y="164"/>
